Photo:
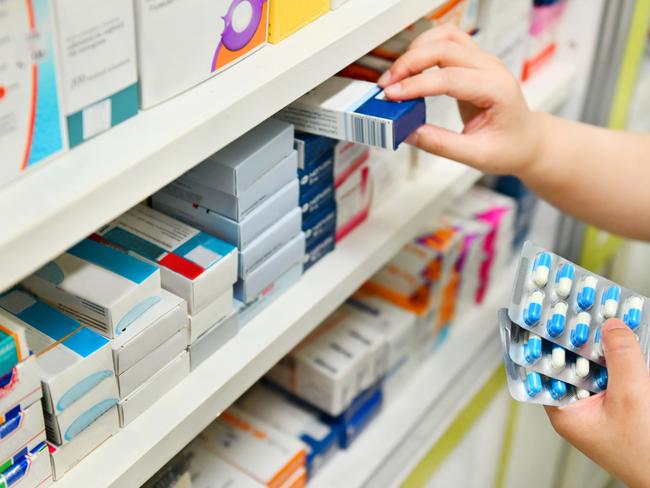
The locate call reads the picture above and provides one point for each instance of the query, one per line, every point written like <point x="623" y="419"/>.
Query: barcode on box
<point x="368" y="131"/>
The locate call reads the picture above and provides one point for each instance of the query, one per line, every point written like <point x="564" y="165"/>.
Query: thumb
<point x="447" y="144"/>
<point x="626" y="367"/>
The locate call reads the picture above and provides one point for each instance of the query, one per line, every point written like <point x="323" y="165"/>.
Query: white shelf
<point x="58" y="204"/>
<point x="138" y="451"/>
<point x="551" y="87"/>
<point x="395" y="441"/>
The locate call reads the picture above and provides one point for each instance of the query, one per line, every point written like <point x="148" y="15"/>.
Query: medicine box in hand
<point x="72" y="359"/>
<point x="181" y="44"/>
<point x="193" y="265"/>
<point x="355" y="111"/>
<point x="99" y="286"/>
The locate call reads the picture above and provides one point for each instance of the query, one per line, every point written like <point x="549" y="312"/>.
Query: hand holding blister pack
<point x="568" y="305"/>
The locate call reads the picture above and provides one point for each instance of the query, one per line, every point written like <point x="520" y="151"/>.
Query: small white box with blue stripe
<point x="193" y="265"/>
<point x="101" y="287"/>
<point x="355" y="111"/>
<point x="75" y="364"/>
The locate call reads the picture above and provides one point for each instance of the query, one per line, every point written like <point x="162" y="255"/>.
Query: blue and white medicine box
<point x="358" y="415"/>
<point x="310" y="147"/>
<point x="30" y="467"/>
<point x="240" y="234"/>
<point x="236" y="167"/>
<point x="235" y="207"/>
<point x="319" y="251"/>
<point x="355" y="111"/>
<point x="73" y="360"/>
<point x="318" y="226"/>
<point x="101" y="287"/>
<point x="193" y="265"/>
<point x="320" y="174"/>
<point x="20" y="427"/>
<point x="317" y="201"/>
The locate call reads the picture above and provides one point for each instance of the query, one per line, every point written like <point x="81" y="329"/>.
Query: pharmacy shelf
<point x="395" y="441"/>
<point x="56" y="205"/>
<point x="141" y="448"/>
<point x="550" y="88"/>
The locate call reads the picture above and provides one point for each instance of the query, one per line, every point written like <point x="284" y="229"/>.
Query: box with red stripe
<point x="194" y="265"/>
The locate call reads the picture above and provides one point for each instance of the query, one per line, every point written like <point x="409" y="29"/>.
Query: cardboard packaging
<point x="289" y="16"/>
<point x="353" y="200"/>
<point x="291" y="253"/>
<point x="319" y="251"/>
<point x="337" y="3"/>
<point x="64" y="427"/>
<point x="358" y="415"/>
<point x="319" y="226"/>
<point x="193" y="35"/>
<point x="249" y="311"/>
<point x="149" y="331"/>
<point x="153" y="389"/>
<point x="316" y="201"/>
<point x="286" y="415"/>
<point x="235" y="207"/>
<point x="96" y="57"/>
<point x="29" y="468"/>
<point x="269" y="242"/>
<point x="310" y="147"/>
<point x="355" y="111"/>
<point x="32" y="128"/>
<point x="256" y="448"/>
<point x="348" y="157"/>
<point x="240" y="164"/>
<point x="22" y="386"/>
<point x="193" y="265"/>
<point x="72" y="359"/>
<point x="212" y="340"/>
<point x="239" y="234"/>
<point x="66" y="457"/>
<point x="21" y="428"/>
<point x="319" y="174"/>
<point x="138" y="374"/>
<point x="101" y="287"/>
<point x="221" y="308"/>
<point x="13" y="343"/>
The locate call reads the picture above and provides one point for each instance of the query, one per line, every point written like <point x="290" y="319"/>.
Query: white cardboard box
<point x="21" y="428"/>
<point x="96" y="57"/>
<point x="155" y="387"/>
<point x="32" y="469"/>
<point x="208" y="343"/>
<point x="193" y="265"/>
<point x="149" y="331"/>
<point x="221" y="308"/>
<point x="23" y="387"/>
<point x="146" y="368"/>
<point x="66" y="457"/>
<point x="100" y="286"/>
<point x="73" y="360"/>
<point x="201" y="37"/>
<point x="260" y="451"/>
<point x="13" y="342"/>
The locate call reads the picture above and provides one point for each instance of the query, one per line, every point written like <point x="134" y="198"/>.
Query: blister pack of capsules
<point x="538" y="355"/>
<point x="529" y="386"/>
<point x="567" y="305"/>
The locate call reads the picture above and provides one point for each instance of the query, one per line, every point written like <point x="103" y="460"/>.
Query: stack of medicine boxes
<point x="352" y="183"/>
<point x="316" y="176"/>
<point x="102" y="288"/>
<point x="247" y="194"/>
<point x="75" y="368"/>
<point x="22" y="431"/>
<point x="197" y="273"/>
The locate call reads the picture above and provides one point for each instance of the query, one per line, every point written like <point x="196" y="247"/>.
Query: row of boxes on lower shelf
<point x="319" y="398"/>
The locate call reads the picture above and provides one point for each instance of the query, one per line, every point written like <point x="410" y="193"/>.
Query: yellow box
<point x="289" y="16"/>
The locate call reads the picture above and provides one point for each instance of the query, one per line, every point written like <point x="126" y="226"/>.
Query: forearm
<point x="598" y="175"/>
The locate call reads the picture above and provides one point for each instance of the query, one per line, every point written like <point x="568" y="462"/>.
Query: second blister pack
<point x="568" y="305"/>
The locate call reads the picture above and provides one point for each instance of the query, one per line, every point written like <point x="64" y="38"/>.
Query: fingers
<point x="446" y="32"/>
<point x="447" y="144"/>
<point x="441" y="54"/>
<point x="626" y="367"/>
<point x="461" y="83"/>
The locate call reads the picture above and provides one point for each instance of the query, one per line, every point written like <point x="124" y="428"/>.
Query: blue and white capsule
<point x="533" y="349"/>
<point x="556" y="324"/>
<point x="609" y="301"/>
<point x="541" y="269"/>
<point x="601" y="379"/>
<point x="558" y="359"/>
<point x="581" y="393"/>
<point x="564" y="280"/>
<point x="533" y="384"/>
<point x="580" y="333"/>
<point x="533" y="311"/>
<point x="587" y="295"/>
<point x="557" y="389"/>
<point x="582" y="367"/>
<point x="632" y="314"/>
<point x="598" y="343"/>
